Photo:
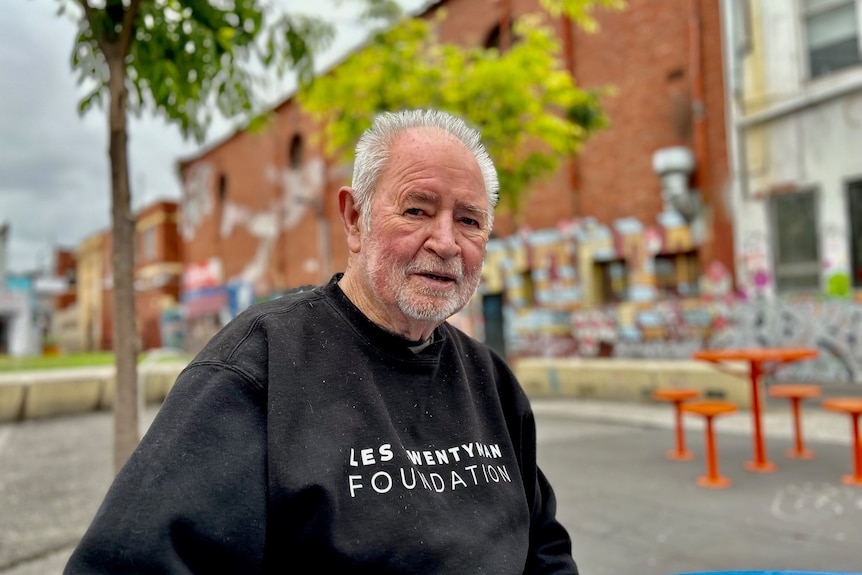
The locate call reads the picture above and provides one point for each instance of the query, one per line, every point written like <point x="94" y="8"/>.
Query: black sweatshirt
<point x="306" y="439"/>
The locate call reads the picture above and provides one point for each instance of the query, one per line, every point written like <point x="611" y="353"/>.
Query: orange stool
<point x="710" y="409"/>
<point x="796" y="392"/>
<point x="852" y="406"/>
<point x="677" y="395"/>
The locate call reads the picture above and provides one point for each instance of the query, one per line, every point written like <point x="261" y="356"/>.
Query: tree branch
<point x="128" y="30"/>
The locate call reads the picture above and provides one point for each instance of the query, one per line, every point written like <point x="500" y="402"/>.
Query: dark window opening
<point x="677" y="274"/>
<point x="796" y="250"/>
<point x="295" y="151"/>
<point x="492" y="311"/>
<point x="222" y="188"/>
<point x="612" y="279"/>
<point x="494" y="39"/>
<point x="832" y="36"/>
<point x="854" y="200"/>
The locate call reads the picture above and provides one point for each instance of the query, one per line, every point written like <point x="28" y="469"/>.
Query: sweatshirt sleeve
<point x="550" y="545"/>
<point x="192" y="497"/>
<point x="550" y="550"/>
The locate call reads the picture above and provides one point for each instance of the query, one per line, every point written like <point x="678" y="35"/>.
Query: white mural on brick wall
<point x="300" y="190"/>
<point x="198" y="200"/>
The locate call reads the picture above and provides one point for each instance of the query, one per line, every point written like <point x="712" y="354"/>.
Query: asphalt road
<point x="629" y="510"/>
<point x="632" y="511"/>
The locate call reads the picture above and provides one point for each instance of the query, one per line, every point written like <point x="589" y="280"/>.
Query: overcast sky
<point x="54" y="172"/>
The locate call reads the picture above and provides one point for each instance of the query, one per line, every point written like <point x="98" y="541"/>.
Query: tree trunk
<point x="123" y="265"/>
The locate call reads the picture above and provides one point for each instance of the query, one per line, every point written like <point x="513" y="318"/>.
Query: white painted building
<point x="794" y="80"/>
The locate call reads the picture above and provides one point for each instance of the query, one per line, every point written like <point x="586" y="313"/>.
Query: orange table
<point x="763" y="361"/>
<point x="853" y="406"/>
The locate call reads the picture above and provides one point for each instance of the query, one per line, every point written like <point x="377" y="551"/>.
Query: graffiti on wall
<point x="836" y="264"/>
<point x="675" y="329"/>
<point x="832" y="326"/>
<point x="299" y="191"/>
<point x="754" y="264"/>
<point x="548" y="279"/>
<point x="198" y="197"/>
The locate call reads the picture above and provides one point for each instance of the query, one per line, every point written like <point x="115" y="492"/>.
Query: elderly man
<point x="349" y="429"/>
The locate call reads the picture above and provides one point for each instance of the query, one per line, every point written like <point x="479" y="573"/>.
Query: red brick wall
<point x="644" y="53"/>
<point x="64" y="266"/>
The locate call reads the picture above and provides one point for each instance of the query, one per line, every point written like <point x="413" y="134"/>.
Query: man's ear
<point x="349" y="218"/>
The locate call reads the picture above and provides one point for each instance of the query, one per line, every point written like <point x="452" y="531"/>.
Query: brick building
<point x="64" y="314"/>
<point x="158" y="269"/>
<point x="611" y="227"/>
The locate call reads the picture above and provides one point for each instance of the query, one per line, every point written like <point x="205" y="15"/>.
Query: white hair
<point x="374" y="147"/>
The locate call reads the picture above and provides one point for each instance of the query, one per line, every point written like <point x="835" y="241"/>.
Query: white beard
<point x="423" y="303"/>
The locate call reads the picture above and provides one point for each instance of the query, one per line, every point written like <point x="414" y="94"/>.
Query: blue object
<point x="772" y="573"/>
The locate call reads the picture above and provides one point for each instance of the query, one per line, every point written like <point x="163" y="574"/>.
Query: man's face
<point x="424" y="251"/>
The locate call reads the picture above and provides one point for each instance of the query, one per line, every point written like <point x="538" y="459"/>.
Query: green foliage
<point x="581" y="11"/>
<point x="838" y="285"/>
<point x="187" y="58"/>
<point x="529" y="109"/>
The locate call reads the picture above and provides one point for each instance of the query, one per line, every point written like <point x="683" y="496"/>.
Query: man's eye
<point x="413" y="211"/>
<point x="471" y="222"/>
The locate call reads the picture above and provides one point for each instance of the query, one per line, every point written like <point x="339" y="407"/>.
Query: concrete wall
<point x="630" y="380"/>
<point x="50" y="393"/>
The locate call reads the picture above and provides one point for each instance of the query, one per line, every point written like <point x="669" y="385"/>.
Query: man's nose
<point x="441" y="239"/>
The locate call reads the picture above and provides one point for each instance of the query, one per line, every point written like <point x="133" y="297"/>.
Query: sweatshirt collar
<point x="391" y="342"/>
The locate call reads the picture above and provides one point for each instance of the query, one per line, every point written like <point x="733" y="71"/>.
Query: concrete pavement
<point x="632" y="511"/>
<point x="629" y="509"/>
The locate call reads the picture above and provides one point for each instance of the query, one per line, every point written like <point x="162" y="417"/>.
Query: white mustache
<point x="451" y="268"/>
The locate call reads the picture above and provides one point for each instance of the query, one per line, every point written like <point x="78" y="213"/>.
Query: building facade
<point x="158" y="271"/>
<point x="63" y="330"/>
<point x="796" y="121"/>
<point x="640" y="215"/>
<point x="89" y="288"/>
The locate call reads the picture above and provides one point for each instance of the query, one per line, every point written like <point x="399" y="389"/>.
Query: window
<point x="222" y="188"/>
<point x="148" y="244"/>
<point x="497" y="39"/>
<point x="295" y="152"/>
<point x="741" y="28"/>
<point x="612" y="279"/>
<point x="677" y="274"/>
<point x="832" y="35"/>
<point x="796" y="253"/>
<point x="854" y="200"/>
<point x="492" y="311"/>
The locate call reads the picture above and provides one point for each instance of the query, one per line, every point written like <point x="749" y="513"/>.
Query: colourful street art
<point x="557" y="301"/>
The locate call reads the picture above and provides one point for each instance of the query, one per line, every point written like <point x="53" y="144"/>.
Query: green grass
<point x="88" y="359"/>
